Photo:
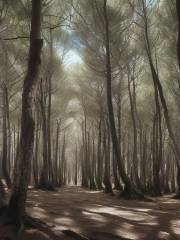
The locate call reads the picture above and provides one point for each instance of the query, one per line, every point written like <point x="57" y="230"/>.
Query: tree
<point x="19" y="193"/>
<point x="130" y="190"/>
<point x="158" y="87"/>
<point x="178" y="40"/>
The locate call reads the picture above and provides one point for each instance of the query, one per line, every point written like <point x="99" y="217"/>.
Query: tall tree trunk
<point x="56" y="152"/>
<point x="143" y="143"/>
<point x="60" y="180"/>
<point x="2" y="198"/>
<point x="44" y="176"/>
<point x="5" y="162"/>
<point x="19" y="193"/>
<point x="156" y="156"/>
<point x="8" y="133"/>
<point x="85" y="178"/>
<point x="106" y="141"/>
<point x="16" y="159"/>
<point x="167" y="174"/>
<point x="130" y="191"/>
<point x="63" y="157"/>
<point x="51" y="175"/>
<point x="76" y="167"/>
<point x="135" y="135"/>
<point x="93" y="167"/>
<point x="99" y="157"/>
<point x="117" y="184"/>
<point x="36" y="151"/>
<point x="157" y="83"/>
<point x="178" y="40"/>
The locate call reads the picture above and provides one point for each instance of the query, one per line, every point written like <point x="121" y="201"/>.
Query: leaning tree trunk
<point x="157" y="83"/>
<point x="19" y="193"/>
<point x="130" y="191"/>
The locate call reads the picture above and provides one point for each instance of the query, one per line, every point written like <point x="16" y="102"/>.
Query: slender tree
<point x="19" y="193"/>
<point x="130" y="191"/>
<point x="178" y="39"/>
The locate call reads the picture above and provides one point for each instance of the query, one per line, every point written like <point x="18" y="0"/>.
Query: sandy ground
<point x="90" y="212"/>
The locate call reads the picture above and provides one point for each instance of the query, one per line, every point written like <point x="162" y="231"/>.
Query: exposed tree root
<point x="3" y="209"/>
<point x="74" y="235"/>
<point x="156" y="194"/>
<point x="177" y="196"/>
<point x="30" y="223"/>
<point x="105" y="236"/>
<point x="46" y="187"/>
<point x="132" y="194"/>
<point x="92" y="236"/>
<point x="119" y="188"/>
<point x="45" y="231"/>
<point x="111" y="193"/>
<point x="93" y="186"/>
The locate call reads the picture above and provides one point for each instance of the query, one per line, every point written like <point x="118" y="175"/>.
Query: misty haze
<point x="89" y="119"/>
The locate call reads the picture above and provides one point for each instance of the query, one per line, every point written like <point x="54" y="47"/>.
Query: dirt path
<point x="87" y="211"/>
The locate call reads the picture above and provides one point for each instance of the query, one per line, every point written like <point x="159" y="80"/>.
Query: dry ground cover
<point x="93" y="213"/>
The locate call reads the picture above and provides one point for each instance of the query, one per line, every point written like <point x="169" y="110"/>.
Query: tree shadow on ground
<point x="86" y="212"/>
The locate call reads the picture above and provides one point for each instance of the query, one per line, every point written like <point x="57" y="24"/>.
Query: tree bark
<point x="19" y="194"/>
<point x="56" y="152"/>
<point x="36" y="151"/>
<point x="93" y="167"/>
<point x="76" y="167"/>
<point x="178" y="39"/>
<point x="157" y="83"/>
<point x="135" y="135"/>
<point x="106" y="143"/>
<point x="5" y="155"/>
<point x="44" y="176"/>
<point x="130" y="190"/>
<point x="99" y="157"/>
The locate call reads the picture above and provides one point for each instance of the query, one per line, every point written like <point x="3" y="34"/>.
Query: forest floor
<point x="98" y="216"/>
<point x="94" y="213"/>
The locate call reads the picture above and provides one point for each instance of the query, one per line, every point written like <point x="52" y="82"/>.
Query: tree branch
<point x="14" y="38"/>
